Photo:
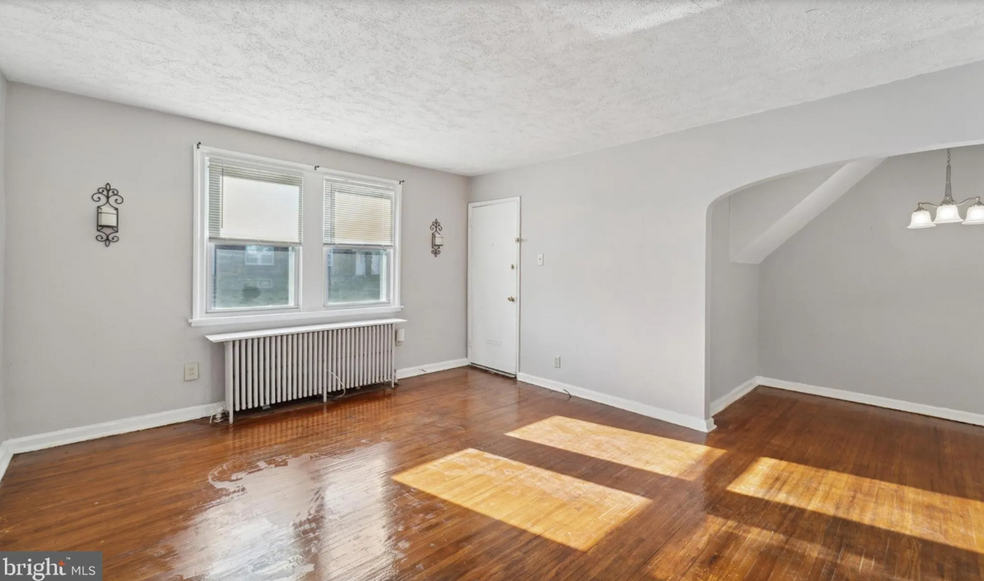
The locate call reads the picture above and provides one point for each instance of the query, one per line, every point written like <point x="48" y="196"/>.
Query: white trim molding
<point x="882" y="402"/>
<point x="111" y="428"/>
<point x="6" y="453"/>
<point x="135" y="424"/>
<point x="238" y="336"/>
<point x="310" y="305"/>
<point x="299" y="317"/>
<point x="692" y="422"/>
<point x="718" y="405"/>
<point x="430" y="368"/>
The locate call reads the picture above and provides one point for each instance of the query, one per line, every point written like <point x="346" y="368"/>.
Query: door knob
<point x="511" y="299"/>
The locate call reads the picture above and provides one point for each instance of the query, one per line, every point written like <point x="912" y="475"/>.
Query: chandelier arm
<point x="930" y="204"/>
<point x="974" y="199"/>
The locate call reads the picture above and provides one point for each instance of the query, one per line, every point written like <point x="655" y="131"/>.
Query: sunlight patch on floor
<point x="932" y="516"/>
<point x="664" y="456"/>
<point x="555" y="506"/>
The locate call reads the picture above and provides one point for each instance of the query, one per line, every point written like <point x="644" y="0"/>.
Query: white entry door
<point x="493" y="284"/>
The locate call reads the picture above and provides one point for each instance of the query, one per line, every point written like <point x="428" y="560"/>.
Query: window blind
<point x="359" y="213"/>
<point x="253" y="204"/>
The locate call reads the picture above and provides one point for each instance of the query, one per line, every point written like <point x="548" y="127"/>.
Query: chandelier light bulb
<point x="948" y="214"/>
<point x="921" y="219"/>
<point x="975" y="214"/>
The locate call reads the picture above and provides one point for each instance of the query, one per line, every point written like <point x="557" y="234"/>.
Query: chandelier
<point x="947" y="211"/>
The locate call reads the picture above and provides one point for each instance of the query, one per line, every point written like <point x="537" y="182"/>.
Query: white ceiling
<point x="474" y="86"/>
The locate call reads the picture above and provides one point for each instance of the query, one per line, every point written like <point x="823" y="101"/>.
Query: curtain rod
<point x="316" y="168"/>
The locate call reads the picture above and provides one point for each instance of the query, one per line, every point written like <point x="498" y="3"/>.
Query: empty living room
<point x="380" y="290"/>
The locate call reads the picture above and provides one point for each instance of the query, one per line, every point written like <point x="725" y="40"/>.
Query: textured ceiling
<point x="474" y="86"/>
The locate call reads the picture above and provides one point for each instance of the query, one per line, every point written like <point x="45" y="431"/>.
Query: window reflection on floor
<point x="285" y="517"/>
<point x="643" y="451"/>
<point x="555" y="506"/>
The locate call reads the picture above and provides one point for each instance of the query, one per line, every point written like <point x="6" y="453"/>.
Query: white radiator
<point x="278" y="365"/>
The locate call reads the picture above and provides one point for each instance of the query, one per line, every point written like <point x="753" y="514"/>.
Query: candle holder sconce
<point x="107" y="214"/>
<point x="437" y="240"/>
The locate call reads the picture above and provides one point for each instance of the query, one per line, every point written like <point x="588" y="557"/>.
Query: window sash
<point x="390" y="273"/>
<point x="218" y="168"/>
<point x="210" y="307"/>
<point x="363" y="226"/>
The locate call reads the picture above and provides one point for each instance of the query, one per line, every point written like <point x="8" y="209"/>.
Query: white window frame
<point x="343" y="246"/>
<point x="310" y="305"/>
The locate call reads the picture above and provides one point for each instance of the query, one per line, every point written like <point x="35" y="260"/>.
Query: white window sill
<point x="311" y="316"/>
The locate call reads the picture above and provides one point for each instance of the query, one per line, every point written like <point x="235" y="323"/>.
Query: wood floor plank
<point x="466" y="475"/>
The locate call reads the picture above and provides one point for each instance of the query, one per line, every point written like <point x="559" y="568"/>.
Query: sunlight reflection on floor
<point x="902" y="509"/>
<point x="561" y="508"/>
<point x="643" y="451"/>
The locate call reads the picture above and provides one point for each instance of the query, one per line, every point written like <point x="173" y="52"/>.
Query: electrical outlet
<point x="557" y="362"/>
<point x="191" y="371"/>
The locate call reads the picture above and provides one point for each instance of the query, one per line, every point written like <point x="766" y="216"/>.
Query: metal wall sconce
<point x="437" y="241"/>
<point x="107" y="214"/>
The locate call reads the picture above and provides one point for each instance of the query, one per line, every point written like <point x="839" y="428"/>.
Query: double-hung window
<point x="359" y="241"/>
<point x="254" y="236"/>
<point x="260" y="256"/>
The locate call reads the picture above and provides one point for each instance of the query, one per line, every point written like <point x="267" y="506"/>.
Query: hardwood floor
<point x="466" y="475"/>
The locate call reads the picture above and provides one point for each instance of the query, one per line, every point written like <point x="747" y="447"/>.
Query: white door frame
<point x="519" y="270"/>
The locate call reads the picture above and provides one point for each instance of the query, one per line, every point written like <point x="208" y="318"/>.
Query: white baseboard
<point x="882" y="402"/>
<point x="5" y="455"/>
<point x="692" y="422"/>
<point x="430" y="368"/>
<point x="115" y="427"/>
<point x="111" y="428"/>
<point x="718" y="405"/>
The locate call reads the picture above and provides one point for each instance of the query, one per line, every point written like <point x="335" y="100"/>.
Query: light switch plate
<point x="539" y="260"/>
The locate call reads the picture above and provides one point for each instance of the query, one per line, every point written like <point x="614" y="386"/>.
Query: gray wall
<point x="856" y="301"/>
<point x="622" y="293"/>
<point x="732" y="308"/>
<point x="625" y="314"/>
<point x="102" y="333"/>
<point x="756" y="209"/>
<point x="3" y="238"/>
